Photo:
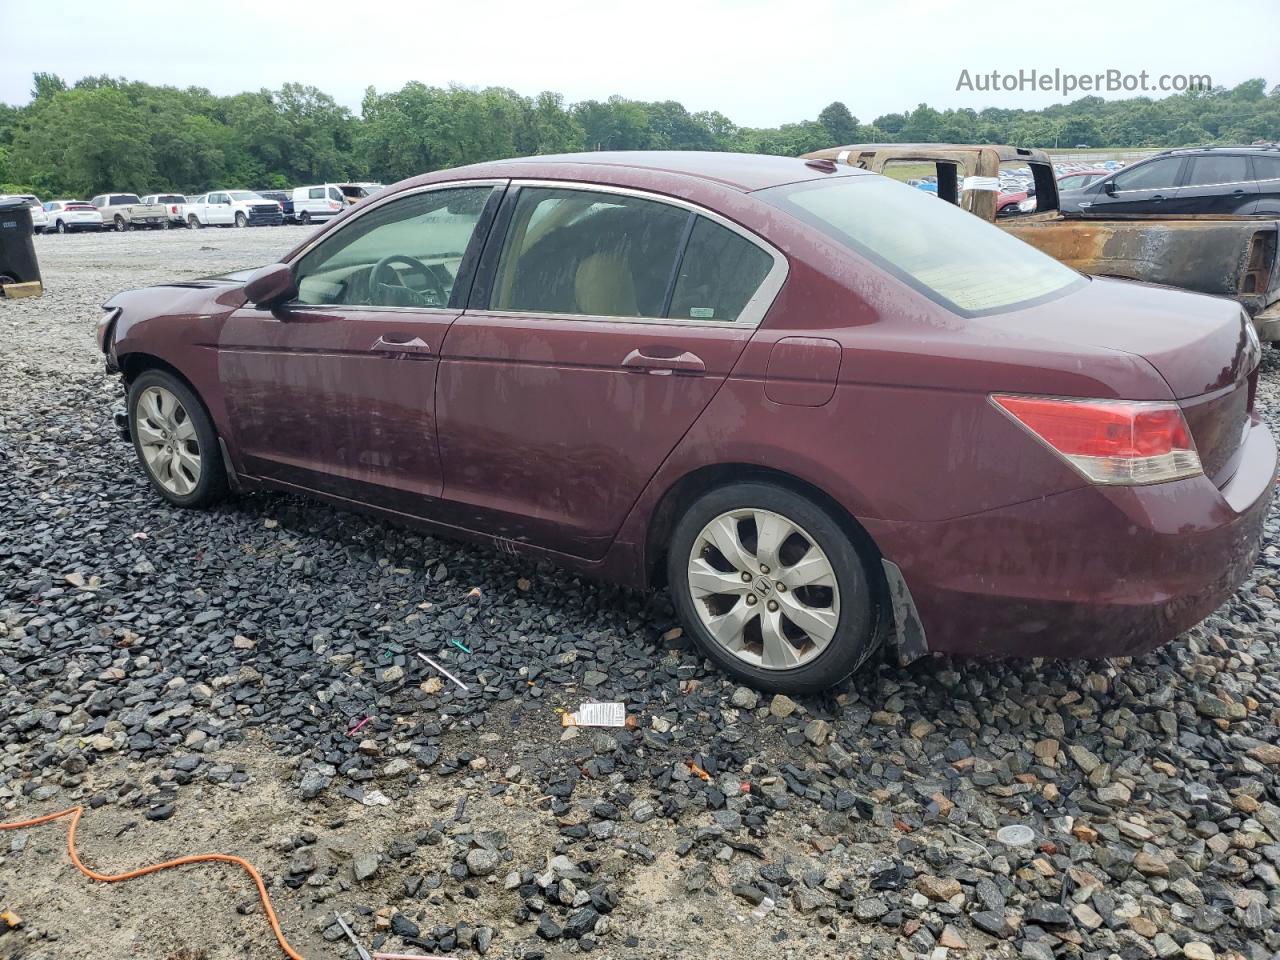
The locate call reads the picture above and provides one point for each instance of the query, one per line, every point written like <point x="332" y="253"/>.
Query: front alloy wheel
<point x="168" y="441"/>
<point x="175" y="440"/>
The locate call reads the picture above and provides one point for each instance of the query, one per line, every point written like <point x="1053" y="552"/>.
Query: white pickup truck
<point x="125" y="211"/>
<point x="232" y="208"/>
<point x="173" y="204"/>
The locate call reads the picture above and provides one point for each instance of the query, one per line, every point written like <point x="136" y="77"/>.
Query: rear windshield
<point x="955" y="259"/>
<point x="123" y="198"/>
<point x="169" y="198"/>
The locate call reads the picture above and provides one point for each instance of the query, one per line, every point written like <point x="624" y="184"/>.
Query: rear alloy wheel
<point x="771" y="588"/>
<point x="241" y="220"/>
<point x="175" y="440"/>
<point x="62" y="226"/>
<point x="120" y="224"/>
<point x="166" y="224"/>
<point x="194" y="222"/>
<point x="305" y="219"/>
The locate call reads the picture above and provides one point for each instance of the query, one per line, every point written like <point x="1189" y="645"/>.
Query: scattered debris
<point x="445" y="672"/>
<point x="596" y="715"/>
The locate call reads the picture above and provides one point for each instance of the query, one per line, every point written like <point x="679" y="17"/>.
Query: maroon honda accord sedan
<point x="821" y="407"/>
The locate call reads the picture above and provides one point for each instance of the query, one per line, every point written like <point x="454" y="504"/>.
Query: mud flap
<point x="908" y="630"/>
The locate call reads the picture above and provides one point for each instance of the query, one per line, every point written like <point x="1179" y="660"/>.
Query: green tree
<point x="841" y="125"/>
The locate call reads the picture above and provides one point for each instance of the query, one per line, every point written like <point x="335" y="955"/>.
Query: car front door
<point x="1216" y="183"/>
<point x="334" y="391"/>
<point x="602" y="324"/>
<point x="218" y="210"/>
<point x="1145" y="188"/>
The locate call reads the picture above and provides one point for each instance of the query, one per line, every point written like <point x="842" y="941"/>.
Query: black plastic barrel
<point x="18" y="262"/>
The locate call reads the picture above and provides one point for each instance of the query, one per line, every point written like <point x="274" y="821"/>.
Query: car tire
<point x="841" y="619"/>
<point x="120" y="224"/>
<point x="241" y="220"/>
<point x="305" y="219"/>
<point x="175" y="440"/>
<point x="194" y="222"/>
<point x="61" y="226"/>
<point x="166" y="224"/>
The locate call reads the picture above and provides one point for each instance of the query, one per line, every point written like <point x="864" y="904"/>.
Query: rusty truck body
<point x="1229" y="256"/>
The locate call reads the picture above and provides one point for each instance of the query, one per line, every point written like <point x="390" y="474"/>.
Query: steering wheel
<point x="432" y="293"/>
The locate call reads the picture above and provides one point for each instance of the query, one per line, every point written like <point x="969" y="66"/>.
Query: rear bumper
<point x="1089" y="573"/>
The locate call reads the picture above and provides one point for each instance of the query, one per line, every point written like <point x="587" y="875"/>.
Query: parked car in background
<point x="316" y="202"/>
<point x="822" y="406"/>
<point x="282" y="197"/>
<point x="39" y="219"/>
<point x="126" y="211"/>
<point x="1218" y="254"/>
<point x="173" y="204"/>
<point x="1228" y="181"/>
<point x="233" y="208"/>
<point x="355" y="192"/>
<point x="68" y="216"/>
<point x="1076" y="179"/>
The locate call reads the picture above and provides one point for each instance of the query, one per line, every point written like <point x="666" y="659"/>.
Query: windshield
<point x="955" y="259"/>
<point x="243" y="195"/>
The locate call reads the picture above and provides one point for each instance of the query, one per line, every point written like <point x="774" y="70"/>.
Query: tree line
<point x="105" y="133"/>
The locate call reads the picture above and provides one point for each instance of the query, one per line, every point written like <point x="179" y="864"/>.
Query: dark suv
<point x="282" y="197"/>
<point x="1228" y="181"/>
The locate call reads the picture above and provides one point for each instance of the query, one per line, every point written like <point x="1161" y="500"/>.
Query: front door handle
<point x="1158" y="196"/>
<point x="414" y="345"/>
<point x="681" y="363"/>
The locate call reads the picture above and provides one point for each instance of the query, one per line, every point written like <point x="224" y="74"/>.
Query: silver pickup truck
<point x="124" y="211"/>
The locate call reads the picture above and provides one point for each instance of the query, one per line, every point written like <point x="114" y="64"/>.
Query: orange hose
<point x="75" y="812"/>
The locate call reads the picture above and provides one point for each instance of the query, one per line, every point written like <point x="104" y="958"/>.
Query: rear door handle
<point x="413" y="345"/>
<point x="681" y="363"/>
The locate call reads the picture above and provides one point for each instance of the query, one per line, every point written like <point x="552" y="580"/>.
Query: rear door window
<point x="1266" y="168"/>
<point x="719" y="273"/>
<point x="589" y="253"/>
<point x="315" y="193"/>
<point x="1212" y="170"/>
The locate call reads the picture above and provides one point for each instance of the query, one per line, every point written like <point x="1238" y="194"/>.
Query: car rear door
<point x="334" y="391"/>
<point x="1216" y="183"/>
<point x="1266" y="175"/>
<point x="602" y="324"/>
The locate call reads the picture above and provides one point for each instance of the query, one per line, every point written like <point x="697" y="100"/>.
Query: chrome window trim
<point x="316" y="241"/>
<point x="751" y="315"/>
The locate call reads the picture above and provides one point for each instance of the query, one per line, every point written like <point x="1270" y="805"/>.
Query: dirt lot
<point x="244" y="681"/>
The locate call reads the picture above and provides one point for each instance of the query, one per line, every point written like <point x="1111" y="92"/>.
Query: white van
<point x="317" y="202"/>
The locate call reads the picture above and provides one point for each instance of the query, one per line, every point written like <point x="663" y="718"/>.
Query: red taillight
<point x="1110" y="441"/>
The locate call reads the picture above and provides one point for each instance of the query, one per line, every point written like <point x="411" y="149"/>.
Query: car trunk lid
<point x="1201" y="347"/>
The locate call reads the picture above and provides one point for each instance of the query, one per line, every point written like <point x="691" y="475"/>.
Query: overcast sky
<point x="760" y="62"/>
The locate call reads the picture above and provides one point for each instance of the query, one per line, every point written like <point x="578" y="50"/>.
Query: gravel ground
<point x="196" y="680"/>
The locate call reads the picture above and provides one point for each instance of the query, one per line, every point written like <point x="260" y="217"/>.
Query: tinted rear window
<point x="1206" y="171"/>
<point x="955" y="259"/>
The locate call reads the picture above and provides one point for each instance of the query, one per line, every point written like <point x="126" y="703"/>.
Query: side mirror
<point x="1109" y="187"/>
<point x="271" y="286"/>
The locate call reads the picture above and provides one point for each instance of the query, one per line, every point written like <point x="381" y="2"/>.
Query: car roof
<point x="738" y="171"/>
<point x="1221" y="148"/>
